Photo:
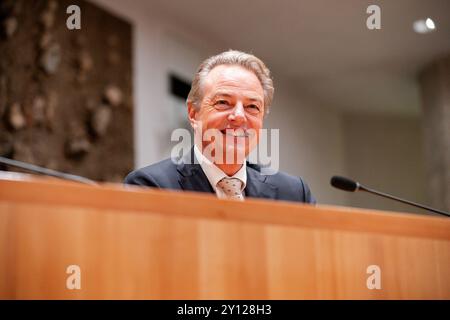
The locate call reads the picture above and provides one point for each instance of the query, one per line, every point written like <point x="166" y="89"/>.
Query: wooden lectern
<point x="133" y="243"/>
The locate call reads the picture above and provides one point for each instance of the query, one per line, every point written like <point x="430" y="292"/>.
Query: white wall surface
<point x="385" y="153"/>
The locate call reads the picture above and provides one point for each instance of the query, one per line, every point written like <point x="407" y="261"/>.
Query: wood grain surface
<point x="133" y="243"/>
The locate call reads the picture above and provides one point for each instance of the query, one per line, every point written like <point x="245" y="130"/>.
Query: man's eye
<point x="222" y="104"/>
<point x="253" y="107"/>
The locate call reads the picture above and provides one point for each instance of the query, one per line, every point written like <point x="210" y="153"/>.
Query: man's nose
<point x="238" y="113"/>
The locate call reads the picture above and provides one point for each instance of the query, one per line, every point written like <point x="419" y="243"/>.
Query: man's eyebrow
<point x="255" y="99"/>
<point x="222" y="94"/>
<point x="227" y="95"/>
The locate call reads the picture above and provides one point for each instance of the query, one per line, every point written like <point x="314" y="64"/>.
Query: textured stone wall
<point x="66" y="95"/>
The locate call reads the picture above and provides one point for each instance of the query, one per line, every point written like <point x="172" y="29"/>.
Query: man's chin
<point x="235" y="155"/>
<point x="231" y="153"/>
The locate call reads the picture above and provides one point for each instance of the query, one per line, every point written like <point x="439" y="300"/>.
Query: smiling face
<point x="233" y="104"/>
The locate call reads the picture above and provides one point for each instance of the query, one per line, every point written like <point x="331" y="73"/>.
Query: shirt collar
<point x="214" y="174"/>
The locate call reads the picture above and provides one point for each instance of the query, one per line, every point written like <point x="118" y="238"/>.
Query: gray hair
<point x="233" y="57"/>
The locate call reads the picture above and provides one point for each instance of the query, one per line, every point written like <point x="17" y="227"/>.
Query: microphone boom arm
<point x="347" y="184"/>
<point x="45" y="171"/>
<point x="361" y="187"/>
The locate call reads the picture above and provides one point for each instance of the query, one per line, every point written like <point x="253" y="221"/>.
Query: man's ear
<point x="192" y="114"/>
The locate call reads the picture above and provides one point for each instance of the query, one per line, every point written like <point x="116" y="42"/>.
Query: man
<point x="229" y="97"/>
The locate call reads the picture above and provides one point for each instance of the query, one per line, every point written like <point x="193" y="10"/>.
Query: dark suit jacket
<point x="189" y="176"/>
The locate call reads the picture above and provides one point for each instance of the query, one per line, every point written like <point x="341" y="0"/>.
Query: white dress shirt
<point x="214" y="174"/>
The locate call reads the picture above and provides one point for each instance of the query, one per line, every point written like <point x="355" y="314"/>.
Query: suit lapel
<point x="192" y="177"/>
<point x="257" y="187"/>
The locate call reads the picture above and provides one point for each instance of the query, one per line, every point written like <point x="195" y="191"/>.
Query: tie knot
<point x="232" y="187"/>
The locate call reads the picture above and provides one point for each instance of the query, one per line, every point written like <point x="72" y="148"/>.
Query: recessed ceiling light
<point x="430" y="24"/>
<point x="424" y="26"/>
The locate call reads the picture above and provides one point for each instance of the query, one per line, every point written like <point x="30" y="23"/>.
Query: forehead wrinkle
<point x="222" y="77"/>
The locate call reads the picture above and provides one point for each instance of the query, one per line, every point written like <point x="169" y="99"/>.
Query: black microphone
<point x="48" y="172"/>
<point x="352" y="186"/>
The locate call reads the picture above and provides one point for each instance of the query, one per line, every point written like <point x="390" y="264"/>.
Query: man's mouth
<point x="238" y="133"/>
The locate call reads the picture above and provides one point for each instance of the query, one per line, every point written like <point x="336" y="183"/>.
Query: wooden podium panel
<point x="133" y="243"/>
